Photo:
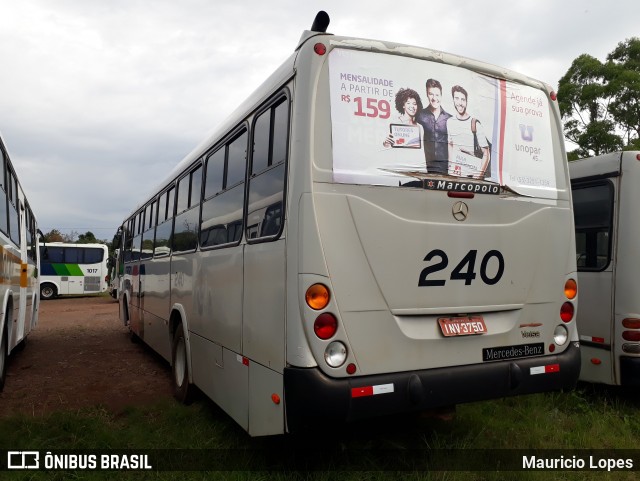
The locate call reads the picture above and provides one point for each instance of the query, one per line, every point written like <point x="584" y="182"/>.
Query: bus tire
<point x="4" y="356"/>
<point x="182" y="390"/>
<point x="48" y="291"/>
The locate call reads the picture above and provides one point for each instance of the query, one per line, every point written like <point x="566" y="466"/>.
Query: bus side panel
<point x="595" y="318"/>
<point x="626" y="287"/>
<point x="305" y="255"/>
<point x="595" y="315"/>
<point x="266" y="396"/>
<point x="157" y="304"/>
<point x="218" y="297"/>
<point x="75" y="285"/>
<point x="182" y="275"/>
<point x="31" y="313"/>
<point x="594" y="322"/>
<point x="263" y="331"/>
<point x="12" y="261"/>
<point x="598" y="373"/>
<point x="222" y="376"/>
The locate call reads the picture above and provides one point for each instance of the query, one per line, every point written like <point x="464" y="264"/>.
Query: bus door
<point x="594" y="218"/>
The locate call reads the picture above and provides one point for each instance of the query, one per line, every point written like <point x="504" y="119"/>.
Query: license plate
<point x="462" y="326"/>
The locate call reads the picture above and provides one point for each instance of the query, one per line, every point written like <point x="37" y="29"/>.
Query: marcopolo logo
<point x="23" y="460"/>
<point x="462" y="186"/>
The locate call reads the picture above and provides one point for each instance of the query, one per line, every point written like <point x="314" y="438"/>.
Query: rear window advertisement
<point x="398" y="120"/>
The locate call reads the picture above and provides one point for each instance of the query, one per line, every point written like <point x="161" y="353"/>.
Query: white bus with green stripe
<point x="299" y="269"/>
<point x="73" y="269"/>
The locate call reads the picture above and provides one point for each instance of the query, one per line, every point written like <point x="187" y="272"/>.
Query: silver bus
<point x="605" y="196"/>
<point x="321" y="258"/>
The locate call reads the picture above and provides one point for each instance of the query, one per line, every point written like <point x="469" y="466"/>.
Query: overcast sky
<point x="100" y="99"/>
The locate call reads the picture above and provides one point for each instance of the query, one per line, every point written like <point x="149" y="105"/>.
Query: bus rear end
<point x="419" y="287"/>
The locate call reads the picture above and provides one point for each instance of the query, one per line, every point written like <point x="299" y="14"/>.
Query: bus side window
<point x="164" y="230"/>
<point x="93" y="255"/>
<point x="265" y="211"/>
<point x="183" y="194"/>
<point x="14" y="221"/>
<point x="185" y="234"/>
<point x="593" y="208"/>
<point x="4" y="221"/>
<point x="222" y="209"/>
<point x="146" y="246"/>
<point x="72" y="255"/>
<point x="55" y="255"/>
<point x="171" y="199"/>
<point x="30" y="233"/>
<point x="128" y="241"/>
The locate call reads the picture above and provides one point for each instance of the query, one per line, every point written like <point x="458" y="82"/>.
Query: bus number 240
<point x="465" y="270"/>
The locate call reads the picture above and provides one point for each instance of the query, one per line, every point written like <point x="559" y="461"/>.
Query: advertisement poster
<point x="397" y="119"/>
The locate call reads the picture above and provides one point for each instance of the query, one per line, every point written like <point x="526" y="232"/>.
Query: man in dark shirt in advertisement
<point x="434" y="121"/>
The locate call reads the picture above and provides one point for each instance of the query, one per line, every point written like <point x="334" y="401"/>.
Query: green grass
<point x="588" y="418"/>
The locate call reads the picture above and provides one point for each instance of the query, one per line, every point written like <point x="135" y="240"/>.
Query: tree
<point x="624" y="73"/>
<point x="598" y="101"/>
<point x="54" y="235"/>
<point x="88" y="238"/>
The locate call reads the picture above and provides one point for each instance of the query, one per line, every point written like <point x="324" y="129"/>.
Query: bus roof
<point x="72" y="244"/>
<point x="595" y="166"/>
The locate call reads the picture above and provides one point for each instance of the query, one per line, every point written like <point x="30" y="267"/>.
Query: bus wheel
<point x="182" y="390"/>
<point x="47" y="291"/>
<point x="3" y="357"/>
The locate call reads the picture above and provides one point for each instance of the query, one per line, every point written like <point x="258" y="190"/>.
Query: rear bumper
<point x="311" y="396"/>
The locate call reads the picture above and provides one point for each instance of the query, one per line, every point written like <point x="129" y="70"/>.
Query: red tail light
<point x="325" y="326"/>
<point x="566" y="312"/>
<point x="631" y="323"/>
<point x="631" y="336"/>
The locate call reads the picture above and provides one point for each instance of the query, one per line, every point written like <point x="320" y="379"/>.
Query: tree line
<point x="600" y="101"/>
<point x="54" y="235"/>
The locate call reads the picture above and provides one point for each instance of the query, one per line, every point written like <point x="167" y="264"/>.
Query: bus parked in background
<point x="316" y="259"/>
<point x="19" y="264"/>
<point x="73" y="269"/>
<point x="606" y="194"/>
<point x="115" y="274"/>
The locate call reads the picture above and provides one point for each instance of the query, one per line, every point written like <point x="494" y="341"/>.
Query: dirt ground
<point x="80" y="355"/>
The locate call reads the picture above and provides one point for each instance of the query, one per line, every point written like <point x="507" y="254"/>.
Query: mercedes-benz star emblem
<point x="460" y="211"/>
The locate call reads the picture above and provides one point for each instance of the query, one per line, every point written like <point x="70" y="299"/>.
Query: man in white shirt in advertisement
<point x="469" y="151"/>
